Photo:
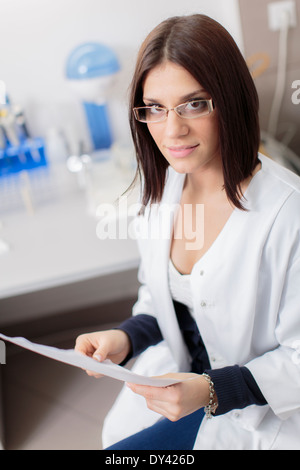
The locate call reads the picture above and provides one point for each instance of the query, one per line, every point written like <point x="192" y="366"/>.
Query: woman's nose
<point x="175" y="126"/>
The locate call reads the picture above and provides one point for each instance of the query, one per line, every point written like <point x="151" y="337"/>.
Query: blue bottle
<point x="90" y="68"/>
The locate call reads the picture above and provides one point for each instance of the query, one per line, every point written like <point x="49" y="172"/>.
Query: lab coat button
<point x="201" y="272"/>
<point x="203" y="304"/>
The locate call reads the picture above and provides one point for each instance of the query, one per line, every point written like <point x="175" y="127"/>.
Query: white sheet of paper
<point x="74" y="358"/>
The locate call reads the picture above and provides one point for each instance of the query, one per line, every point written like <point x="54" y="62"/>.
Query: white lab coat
<point x="246" y="296"/>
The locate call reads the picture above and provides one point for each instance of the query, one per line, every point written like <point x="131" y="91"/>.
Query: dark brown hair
<point x="204" y="48"/>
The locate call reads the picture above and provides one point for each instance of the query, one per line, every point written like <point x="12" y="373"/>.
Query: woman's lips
<point x="181" y="151"/>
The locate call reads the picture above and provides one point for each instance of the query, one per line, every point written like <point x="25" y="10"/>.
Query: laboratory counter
<point x="54" y="247"/>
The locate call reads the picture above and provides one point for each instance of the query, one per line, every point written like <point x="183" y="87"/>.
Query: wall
<point x="258" y="38"/>
<point x="36" y="37"/>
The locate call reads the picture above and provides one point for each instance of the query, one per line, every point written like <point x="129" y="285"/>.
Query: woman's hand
<point x="110" y="344"/>
<point x="178" y="400"/>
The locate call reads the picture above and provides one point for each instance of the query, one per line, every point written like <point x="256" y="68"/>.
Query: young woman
<point x="220" y="311"/>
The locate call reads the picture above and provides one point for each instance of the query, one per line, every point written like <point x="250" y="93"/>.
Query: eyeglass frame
<point x="209" y="102"/>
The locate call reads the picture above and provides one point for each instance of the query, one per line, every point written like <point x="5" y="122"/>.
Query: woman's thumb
<point x="100" y="354"/>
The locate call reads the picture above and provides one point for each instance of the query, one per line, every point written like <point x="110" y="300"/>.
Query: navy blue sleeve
<point x="235" y="388"/>
<point x="143" y="331"/>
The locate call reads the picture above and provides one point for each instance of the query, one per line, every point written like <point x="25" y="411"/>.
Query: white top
<point x="180" y="286"/>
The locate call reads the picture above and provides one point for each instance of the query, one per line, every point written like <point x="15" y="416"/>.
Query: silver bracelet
<point x="212" y="405"/>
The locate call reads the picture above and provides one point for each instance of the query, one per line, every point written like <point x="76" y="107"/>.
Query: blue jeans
<point x="164" y="435"/>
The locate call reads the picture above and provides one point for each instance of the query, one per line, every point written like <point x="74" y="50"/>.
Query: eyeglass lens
<point x="189" y="110"/>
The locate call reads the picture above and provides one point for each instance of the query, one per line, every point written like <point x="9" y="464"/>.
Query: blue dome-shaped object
<point x="91" y="60"/>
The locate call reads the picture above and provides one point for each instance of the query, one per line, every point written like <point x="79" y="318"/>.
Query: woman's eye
<point x="155" y="109"/>
<point x="195" y="105"/>
<point x="155" y="112"/>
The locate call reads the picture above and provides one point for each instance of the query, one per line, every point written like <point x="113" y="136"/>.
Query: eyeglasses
<point x="189" y="110"/>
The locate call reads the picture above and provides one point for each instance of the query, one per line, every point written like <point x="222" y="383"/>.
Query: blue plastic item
<point x="98" y="125"/>
<point x="89" y="61"/>
<point x="28" y="155"/>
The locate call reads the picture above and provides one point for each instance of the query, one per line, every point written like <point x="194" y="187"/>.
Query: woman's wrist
<point x="212" y="404"/>
<point x="125" y="341"/>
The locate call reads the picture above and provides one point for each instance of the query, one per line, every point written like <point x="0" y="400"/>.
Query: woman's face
<point x="189" y="145"/>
